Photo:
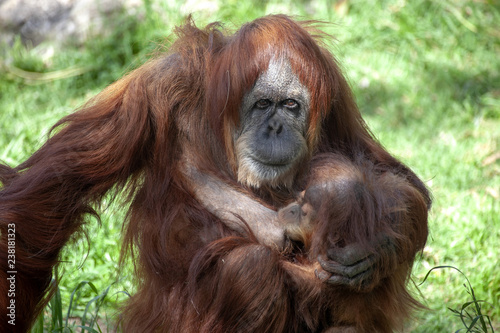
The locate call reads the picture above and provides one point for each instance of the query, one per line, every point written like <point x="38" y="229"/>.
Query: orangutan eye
<point x="263" y="103"/>
<point x="290" y="103"/>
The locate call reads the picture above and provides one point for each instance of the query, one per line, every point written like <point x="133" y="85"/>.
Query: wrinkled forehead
<point x="278" y="82"/>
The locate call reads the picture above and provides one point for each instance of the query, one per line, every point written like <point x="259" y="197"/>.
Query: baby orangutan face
<point x="298" y="217"/>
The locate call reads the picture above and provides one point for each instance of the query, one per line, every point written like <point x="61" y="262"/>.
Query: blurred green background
<point x="426" y="75"/>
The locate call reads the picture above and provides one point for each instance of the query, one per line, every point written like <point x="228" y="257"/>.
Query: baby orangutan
<point x="355" y="232"/>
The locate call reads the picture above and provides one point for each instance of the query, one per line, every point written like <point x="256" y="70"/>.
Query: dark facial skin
<point x="298" y="220"/>
<point x="270" y="145"/>
<point x="270" y="141"/>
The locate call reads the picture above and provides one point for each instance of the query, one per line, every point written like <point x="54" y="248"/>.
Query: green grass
<point x="426" y="75"/>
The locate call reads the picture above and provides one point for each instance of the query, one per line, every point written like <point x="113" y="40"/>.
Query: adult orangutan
<point x="232" y="120"/>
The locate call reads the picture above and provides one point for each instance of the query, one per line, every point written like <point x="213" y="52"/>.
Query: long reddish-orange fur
<point x="356" y="203"/>
<point x="194" y="275"/>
